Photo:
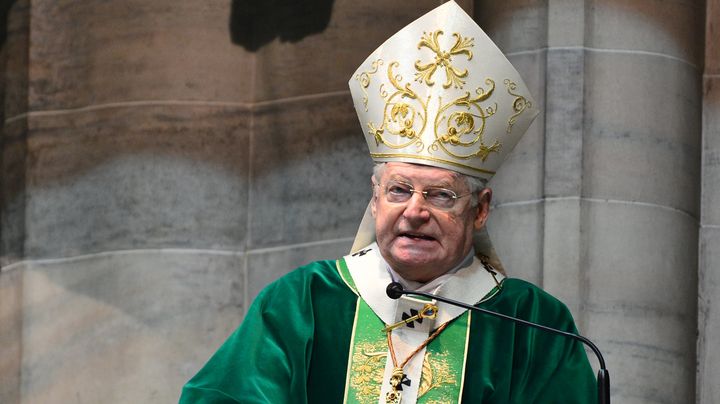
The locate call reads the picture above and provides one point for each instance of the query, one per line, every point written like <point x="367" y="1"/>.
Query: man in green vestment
<point x="438" y="129"/>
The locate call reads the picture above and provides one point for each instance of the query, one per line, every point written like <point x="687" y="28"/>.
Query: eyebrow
<point x="441" y="184"/>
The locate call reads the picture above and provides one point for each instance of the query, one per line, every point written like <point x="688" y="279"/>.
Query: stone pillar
<point x="641" y="182"/>
<point x="708" y="373"/>
<point x="610" y="224"/>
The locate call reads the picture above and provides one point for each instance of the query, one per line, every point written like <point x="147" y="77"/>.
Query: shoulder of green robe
<point x="316" y="275"/>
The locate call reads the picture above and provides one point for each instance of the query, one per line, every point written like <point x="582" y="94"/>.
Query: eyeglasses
<point x="401" y="192"/>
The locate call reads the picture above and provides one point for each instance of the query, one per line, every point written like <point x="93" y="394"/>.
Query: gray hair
<point x="474" y="184"/>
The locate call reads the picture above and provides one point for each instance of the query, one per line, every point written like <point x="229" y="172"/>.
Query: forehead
<point x="419" y="173"/>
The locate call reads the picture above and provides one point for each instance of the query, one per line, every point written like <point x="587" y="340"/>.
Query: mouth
<point x="417" y="236"/>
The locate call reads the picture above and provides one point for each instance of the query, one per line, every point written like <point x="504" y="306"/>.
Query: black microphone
<point x="394" y="290"/>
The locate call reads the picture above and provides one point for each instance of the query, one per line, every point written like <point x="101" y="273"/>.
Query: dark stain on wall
<point x="255" y="23"/>
<point x="5" y="6"/>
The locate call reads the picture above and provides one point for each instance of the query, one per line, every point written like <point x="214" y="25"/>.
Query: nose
<point x="417" y="210"/>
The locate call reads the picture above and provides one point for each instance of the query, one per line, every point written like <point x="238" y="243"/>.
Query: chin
<point x="414" y="262"/>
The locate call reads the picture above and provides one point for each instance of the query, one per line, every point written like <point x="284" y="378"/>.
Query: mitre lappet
<point x="440" y="93"/>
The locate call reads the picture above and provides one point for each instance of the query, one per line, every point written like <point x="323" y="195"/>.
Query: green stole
<point x="443" y="360"/>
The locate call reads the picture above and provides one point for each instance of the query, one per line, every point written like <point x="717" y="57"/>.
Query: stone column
<point x="641" y="182"/>
<point x="615" y="210"/>
<point x="708" y="353"/>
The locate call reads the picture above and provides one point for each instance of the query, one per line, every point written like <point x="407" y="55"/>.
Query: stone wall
<point x="708" y="390"/>
<point x="163" y="161"/>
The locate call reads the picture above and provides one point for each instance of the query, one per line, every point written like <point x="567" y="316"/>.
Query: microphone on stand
<point x="394" y="290"/>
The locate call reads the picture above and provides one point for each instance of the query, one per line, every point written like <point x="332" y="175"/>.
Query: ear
<point x="483" y="208"/>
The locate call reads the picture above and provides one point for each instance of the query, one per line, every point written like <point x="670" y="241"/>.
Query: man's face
<point x="418" y="240"/>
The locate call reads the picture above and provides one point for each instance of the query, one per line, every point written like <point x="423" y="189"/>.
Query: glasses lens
<point x="441" y="197"/>
<point x="398" y="192"/>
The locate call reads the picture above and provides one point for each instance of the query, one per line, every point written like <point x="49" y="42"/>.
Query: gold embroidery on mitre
<point x="443" y="59"/>
<point x="405" y="113"/>
<point x="403" y="109"/>
<point x="460" y="116"/>
<point x="364" y="79"/>
<point x="519" y="104"/>
<point x="436" y="372"/>
<point x="367" y="371"/>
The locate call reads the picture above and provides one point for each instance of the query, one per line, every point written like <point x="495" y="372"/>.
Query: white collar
<point x="433" y="285"/>
<point x="469" y="283"/>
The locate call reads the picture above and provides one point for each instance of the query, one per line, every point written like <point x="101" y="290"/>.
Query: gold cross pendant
<point x="428" y="311"/>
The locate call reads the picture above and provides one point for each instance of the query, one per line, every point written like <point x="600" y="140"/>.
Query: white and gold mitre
<point x="440" y="93"/>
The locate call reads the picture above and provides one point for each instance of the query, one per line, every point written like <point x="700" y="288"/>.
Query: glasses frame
<point x="453" y="195"/>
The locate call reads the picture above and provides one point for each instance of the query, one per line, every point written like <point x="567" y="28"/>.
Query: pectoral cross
<point x="428" y="311"/>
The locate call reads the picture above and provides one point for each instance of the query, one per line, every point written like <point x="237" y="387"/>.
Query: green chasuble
<point x="295" y="343"/>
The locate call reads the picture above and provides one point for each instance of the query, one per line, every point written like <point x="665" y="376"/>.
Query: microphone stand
<point x="395" y="290"/>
